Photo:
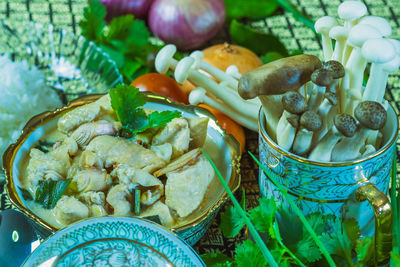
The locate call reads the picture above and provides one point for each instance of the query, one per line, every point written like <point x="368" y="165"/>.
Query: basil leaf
<point x="49" y="192"/>
<point x="253" y="9"/>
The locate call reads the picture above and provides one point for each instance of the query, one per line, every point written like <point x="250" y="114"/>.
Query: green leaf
<point x="49" y="192"/>
<point x="258" y="42"/>
<point x="120" y="28"/>
<point x="26" y="195"/>
<point x="130" y="67"/>
<point x="159" y="119"/>
<point x="114" y="54"/>
<point x="216" y="259"/>
<point x="138" y="35"/>
<point x="308" y="251"/>
<point x="352" y="230"/>
<point x="394" y="259"/>
<point x="365" y="250"/>
<point x="126" y="101"/>
<point x="249" y="254"/>
<point x="271" y="56"/>
<point x="237" y="9"/>
<point x="263" y="215"/>
<point x="93" y="24"/>
<point x="231" y="220"/>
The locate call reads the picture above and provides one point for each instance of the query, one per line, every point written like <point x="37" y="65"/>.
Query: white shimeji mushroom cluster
<point x="216" y="88"/>
<point x="308" y="104"/>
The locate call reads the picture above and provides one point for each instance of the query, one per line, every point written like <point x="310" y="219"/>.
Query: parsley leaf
<point x="365" y="249"/>
<point x="126" y="101"/>
<point x="263" y="215"/>
<point x="249" y="254"/>
<point x="93" y="23"/>
<point x="231" y="220"/>
<point x="216" y="259"/>
<point x="49" y="192"/>
<point x="126" y="40"/>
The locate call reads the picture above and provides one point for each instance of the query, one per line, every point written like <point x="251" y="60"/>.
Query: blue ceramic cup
<point x="358" y="187"/>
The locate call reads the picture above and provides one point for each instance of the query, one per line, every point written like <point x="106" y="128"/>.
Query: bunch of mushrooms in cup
<point x="327" y="92"/>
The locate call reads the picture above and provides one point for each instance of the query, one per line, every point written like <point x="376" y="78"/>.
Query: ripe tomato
<point x="161" y="84"/>
<point x="230" y="126"/>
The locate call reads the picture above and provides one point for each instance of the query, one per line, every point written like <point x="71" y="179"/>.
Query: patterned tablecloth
<point x="68" y="13"/>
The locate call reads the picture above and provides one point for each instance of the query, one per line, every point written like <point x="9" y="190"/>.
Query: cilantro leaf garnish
<point x="49" y="192"/>
<point x="126" y="39"/>
<point x="127" y="101"/>
<point x="93" y="23"/>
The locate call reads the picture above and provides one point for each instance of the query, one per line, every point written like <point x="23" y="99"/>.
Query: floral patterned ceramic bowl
<point x="222" y="148"/>
<point x="114" y="241"/>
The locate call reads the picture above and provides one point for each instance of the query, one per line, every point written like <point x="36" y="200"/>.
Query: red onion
<point x="186" y="23"/>
<point x="139" y="8"/>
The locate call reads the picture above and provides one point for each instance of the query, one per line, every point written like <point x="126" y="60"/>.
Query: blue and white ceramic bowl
<point x="114" y="241"/>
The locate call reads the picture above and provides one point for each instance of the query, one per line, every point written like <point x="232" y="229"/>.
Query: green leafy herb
<point x="136" y="201"/>
<point x="126" y="40"/>
<point x="216" y="259"/>
<point x="127" y="100"/>
<point x="395" y="202"/>
<point x="49" y="192"/>
<point x="237" y="9"/>
<point x="232" y="221"/>
<point x="26" y="195"/>
<point x="259" y="42"/>
<point x="261" y="245"/>
<point x="249" y="254"/>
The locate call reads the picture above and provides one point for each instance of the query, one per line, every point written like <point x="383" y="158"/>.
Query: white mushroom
<point x="339" y="34"/>
<point x="378" y="52"/>
<point x="381" y="24"/>
<point x="323" y="25"/>
<point x="356" y="63"/>
<point x="185" y="70"/>
<point x="388" y="68"/>
<point x="310" y="122"/>
<point x="350" y="12"/>
<point x="327" y="110"/>
<point x="372" y="116"/>
<point x="293" y="104"/>
<point x="198" y="96"/>
<point x="344" y="125"/>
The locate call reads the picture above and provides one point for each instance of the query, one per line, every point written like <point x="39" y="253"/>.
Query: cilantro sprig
<point x="127" y="102"/>
<point x="126" y="40"/>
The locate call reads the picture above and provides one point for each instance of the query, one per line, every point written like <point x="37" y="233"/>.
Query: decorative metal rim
<point x="40" y="119"/>
<point x="264" y="135"/>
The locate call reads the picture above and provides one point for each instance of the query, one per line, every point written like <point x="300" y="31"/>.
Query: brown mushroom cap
<point x="345" y="124"/>
<point x="371" y="114"/>
<point x="336" y="67"/>
<point x="279" y="76"/>
<point x="311" y="121"/>
<point x="294" y="120"/>
<point x="332" y="98"/>
<point x="294" y="102"/>
<point x="322" y="77"/>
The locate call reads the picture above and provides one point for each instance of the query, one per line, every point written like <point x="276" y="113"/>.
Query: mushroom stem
<point x="272" y="108"/>
<point x="230" y="98"/>
<point x="322" y="151"/>
<point x="286" y="132"/>
<point x="339" y="34"/>
<point x="303" y="141"/>
<point x="198" y="96"/>
<point x="323" y="25"/>
<point x="349" y="147"/>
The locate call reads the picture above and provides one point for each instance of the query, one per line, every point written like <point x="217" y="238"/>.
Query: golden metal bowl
<point x="222" y="148"/>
